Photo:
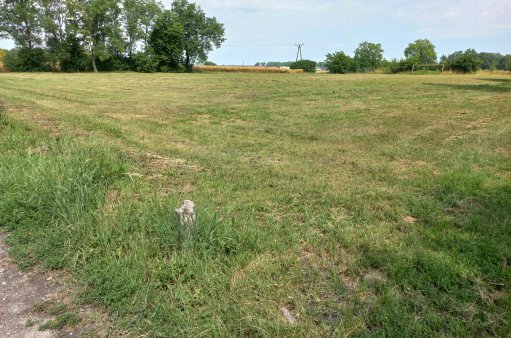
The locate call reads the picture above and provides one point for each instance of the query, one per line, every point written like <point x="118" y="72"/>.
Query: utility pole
<point x="299" y="52"/>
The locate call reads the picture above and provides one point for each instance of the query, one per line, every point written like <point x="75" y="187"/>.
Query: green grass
<point x="364" y="204"/>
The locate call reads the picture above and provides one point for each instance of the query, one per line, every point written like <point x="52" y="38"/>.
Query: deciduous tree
<point x="201" y="34"/>
<point x="166" y="40"/>
<point x="369" y="55"/>
<point x="151" y="10"/>
<point x="20" y="20"/>
<point x="101" y="26"/>
<point x="421" y="51"/>
<point x="338" y="63"/>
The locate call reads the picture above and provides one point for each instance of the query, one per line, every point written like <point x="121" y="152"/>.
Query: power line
<point x="257" y="46"/>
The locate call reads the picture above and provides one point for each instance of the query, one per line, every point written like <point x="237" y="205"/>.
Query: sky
<point x="262" y="30"/>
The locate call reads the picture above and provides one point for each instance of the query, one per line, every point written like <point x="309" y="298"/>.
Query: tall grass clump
<point x="49" y="189"/>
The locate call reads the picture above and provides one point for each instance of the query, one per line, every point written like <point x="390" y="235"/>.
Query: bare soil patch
<point x="18" y="294"/>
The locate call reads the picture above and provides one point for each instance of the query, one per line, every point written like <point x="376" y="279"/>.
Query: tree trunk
<point x="187" y="62"/>
<point x="94" y="68"/>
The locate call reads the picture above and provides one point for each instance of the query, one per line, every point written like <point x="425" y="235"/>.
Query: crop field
<point x="243" y="69"/>
<point x="327" y="205"/>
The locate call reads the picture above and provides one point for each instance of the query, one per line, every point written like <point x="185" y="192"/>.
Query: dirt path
<point x="18" y="294"/>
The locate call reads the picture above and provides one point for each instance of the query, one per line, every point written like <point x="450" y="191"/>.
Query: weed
<point x="31" y="322"/>
<point x="70" y="319"/>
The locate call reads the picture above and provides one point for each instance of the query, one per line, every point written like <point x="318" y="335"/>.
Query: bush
<point x="11" y="60"/>
<point x="307" y="65"/>
<point x="395" y="66"/>
<point x="464" y="62"/>
<point x="27" y="60"/>
<point x="145" y="63"/>
<point x="338" y="63"/>
<point x="112" y="63"/>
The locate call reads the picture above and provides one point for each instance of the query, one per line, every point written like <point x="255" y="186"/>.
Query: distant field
<point x="243" y="69"/>
<point x="362" y="204"/>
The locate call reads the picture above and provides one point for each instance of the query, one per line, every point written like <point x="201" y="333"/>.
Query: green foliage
<point x="100" y="23"/>
<point x="63" y="316"/>
<point x="209" y="63"/>
<point x="201" y="33"/>
<point x="34" y="60"/>
<point x="69" y="319"/>
<point x="368" y="56"/>
<point x="394" y="66"/>
<point x="338" y="63"/>
<point x="505" y="63"/>
<point x="490" y="61"/>
<point x="3" y="53"/>
<point x="307" y="65"/>
<point x="131" y="13"/>
<point x="274" y="64"/>
<point x="421" y="51"/>
<point x="139" y="17"/>
<point x="11" y="60"/>
<point x="166" y="40"/>
<point x="74" y="58"/>
<point x="150" y="12"/>
<point x="20" y="20"/>
<point x="27" y="60"/>
<point x="145" y="63"/>
<point x="464" y="62"/>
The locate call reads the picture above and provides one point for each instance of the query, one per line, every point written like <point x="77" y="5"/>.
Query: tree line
<point x="106" y="35"/>
<point x="420" y="54"/>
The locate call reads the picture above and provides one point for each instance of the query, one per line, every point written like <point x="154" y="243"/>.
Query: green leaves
<point x="307" y="65"/>
<point x="464" y="62"/>
<point x="21" y="21"/>
<point x="368" y="55"/>
<point x="167" y="40"/>
<point x="338" y="63"/>
<point x="201" y="34"/>
<point x="421" y="51"/>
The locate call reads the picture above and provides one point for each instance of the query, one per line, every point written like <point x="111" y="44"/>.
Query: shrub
<point x="12" y="60"/>
<point x="464" y="62"/>
<point x="307" y="65"/>
<point x="27" y="60"/>
<point x="338" y="63"/>
<point x="399" y="66"/>
<point x="391" y="66"/>
<point x="145" y="63"/>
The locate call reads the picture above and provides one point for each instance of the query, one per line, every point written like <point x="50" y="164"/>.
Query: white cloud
<point x="453" y="13"/>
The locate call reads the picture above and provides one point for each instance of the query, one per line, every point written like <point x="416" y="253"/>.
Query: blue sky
<point x="258" y="30"/>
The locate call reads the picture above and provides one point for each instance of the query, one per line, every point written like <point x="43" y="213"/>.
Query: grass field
<point x="363" y="204"/>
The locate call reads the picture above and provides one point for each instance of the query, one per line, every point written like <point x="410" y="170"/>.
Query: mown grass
<point x="363" y="204"/>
